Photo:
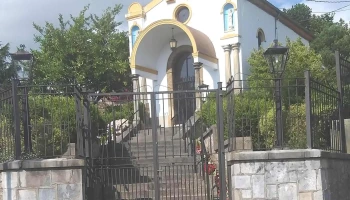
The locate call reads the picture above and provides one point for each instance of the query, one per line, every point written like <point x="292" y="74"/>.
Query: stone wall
<point x="52" y="179"/>
<point x="290" y="175"/>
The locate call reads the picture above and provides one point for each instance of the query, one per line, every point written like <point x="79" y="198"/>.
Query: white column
<point x="237" y="74"/>
<point x="228" y="71"/>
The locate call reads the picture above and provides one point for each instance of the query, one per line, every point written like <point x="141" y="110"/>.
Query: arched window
<point x="229" y="21"/>
<point x="134" y="33"/>
<point x="261" y="37"/>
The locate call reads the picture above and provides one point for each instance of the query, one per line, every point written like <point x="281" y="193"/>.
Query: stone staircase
<point x="179" y="176"/>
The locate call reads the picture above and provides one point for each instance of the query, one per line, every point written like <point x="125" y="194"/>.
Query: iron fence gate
<point x="343" y="80"/>
<point x="134" y="150"/>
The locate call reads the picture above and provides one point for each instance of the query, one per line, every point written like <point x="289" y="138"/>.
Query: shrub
<point x="247" y="108"/>
<point x="53" y="121"/>
<point x="53" y="124"/>
<point x="295" y="127"/>
<point x="266" y="136"/>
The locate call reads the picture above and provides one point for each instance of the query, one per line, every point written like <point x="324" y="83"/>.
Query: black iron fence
<point x="343" y="80"/>
<point x="311" y="115"/>
<point x="37" y="121"/>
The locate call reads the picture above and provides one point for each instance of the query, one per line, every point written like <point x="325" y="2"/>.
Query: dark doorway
<point x="184" y="79"/>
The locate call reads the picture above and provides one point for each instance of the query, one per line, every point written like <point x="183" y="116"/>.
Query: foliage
<point x="266" y="135"/>
<point x="302" y="14"/>
<point x="53" y="123"/>
<point x="87" y="49"/>
<point x="6" y="70"/>
<point x="329" y="35"/>
<point x="301" y="58"/>
<point x="332" y="38"/>
<point x="295" y="127"/>
<point x="247" y="109"/>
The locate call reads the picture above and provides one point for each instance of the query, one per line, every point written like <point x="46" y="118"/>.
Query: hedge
<point x="53" y="122"/>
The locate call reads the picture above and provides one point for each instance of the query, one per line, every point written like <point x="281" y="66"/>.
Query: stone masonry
<point x="52" y="179"/>
<point x="290" y="175"/>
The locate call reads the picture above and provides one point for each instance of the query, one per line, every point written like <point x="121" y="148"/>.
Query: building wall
<point x="250" y="23"/>
<point x="206" y="17"/>
<point x="52" y="179"/>
<point x="292" y="175"/>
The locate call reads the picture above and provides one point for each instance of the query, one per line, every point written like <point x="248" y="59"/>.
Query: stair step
<point x="168" y="160"/>
<point x="168" y="152"/>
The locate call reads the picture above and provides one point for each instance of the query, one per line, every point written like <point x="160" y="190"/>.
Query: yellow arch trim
<point x="154" y="25"/>
<point x="229" y="2"/>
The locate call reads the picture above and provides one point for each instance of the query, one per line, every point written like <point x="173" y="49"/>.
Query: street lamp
<point x="23" y="55"/>
<point x="204" y="90"/>
<point x="173" y="42"/>
<point x="277" y="57"/>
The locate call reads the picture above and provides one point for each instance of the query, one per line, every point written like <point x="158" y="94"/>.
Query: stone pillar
<point x="347" y="134"/>
<point x="197" y="72"/>
<point x="236" y="65"/>
<point x="136" y="89"/>
<point x="228" y="71"/>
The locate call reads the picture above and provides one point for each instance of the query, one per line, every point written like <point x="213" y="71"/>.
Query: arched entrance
<point x="181" y="76"/>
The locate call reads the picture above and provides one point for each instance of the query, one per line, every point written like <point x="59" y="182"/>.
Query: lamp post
<point x="173" y="42"/>
<point x="204" y="89"/>
<point x="23" y="55"/>
<point x="276" y="56"/>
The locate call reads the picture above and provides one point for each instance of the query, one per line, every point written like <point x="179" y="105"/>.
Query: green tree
<point x="332" y="38"/>
<point x="6" y="70"/>
<point x="302" y="14"/>
<point x="88" y="49"/>
<point x="301" y="58"/>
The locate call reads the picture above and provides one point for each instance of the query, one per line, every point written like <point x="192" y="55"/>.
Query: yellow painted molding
<point x="135" y="10"/>
<point x="177" y="9"/>
<point x="159" y="23"/>
<point x="205" y="57"/>
<point x="145" y="69"/>
<point x="151" y="5"/>
<point x="230" y="35"/>
<point x="228" y="2"/>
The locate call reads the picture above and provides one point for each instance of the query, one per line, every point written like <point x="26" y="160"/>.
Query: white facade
<point x="204" y="31"/>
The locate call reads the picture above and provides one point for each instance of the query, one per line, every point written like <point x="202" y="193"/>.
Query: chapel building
<point x="181" y="44"/>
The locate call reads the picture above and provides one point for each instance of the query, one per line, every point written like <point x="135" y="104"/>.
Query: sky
<point x="17" y="16"/>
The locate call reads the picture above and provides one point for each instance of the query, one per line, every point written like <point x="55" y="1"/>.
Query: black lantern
<point x="204" y="90"/>
<point x="173" y="42"/>
<point x="23" y="55"/>
<point x="276" y="57"/>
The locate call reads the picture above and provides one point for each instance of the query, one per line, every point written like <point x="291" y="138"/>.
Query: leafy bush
<point x="266" y="136"/>
<point x="295" y="127"/>
<point x="248" y="107"/>
<point x="53" y="121"/>
<point x="53" y="124"/>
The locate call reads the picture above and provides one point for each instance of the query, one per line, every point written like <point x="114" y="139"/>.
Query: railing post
<point x="221" y="147"/>
<point x="87" y="139"/>
<point x="341" y="102"/>
<point x="308" y="104"/>
<point x="79" y="123"/>
<point x="17" y="122"/>
<point x="155" y="146"/>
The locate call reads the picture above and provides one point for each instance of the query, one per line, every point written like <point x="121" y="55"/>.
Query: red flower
<point x="209" y="168"/>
